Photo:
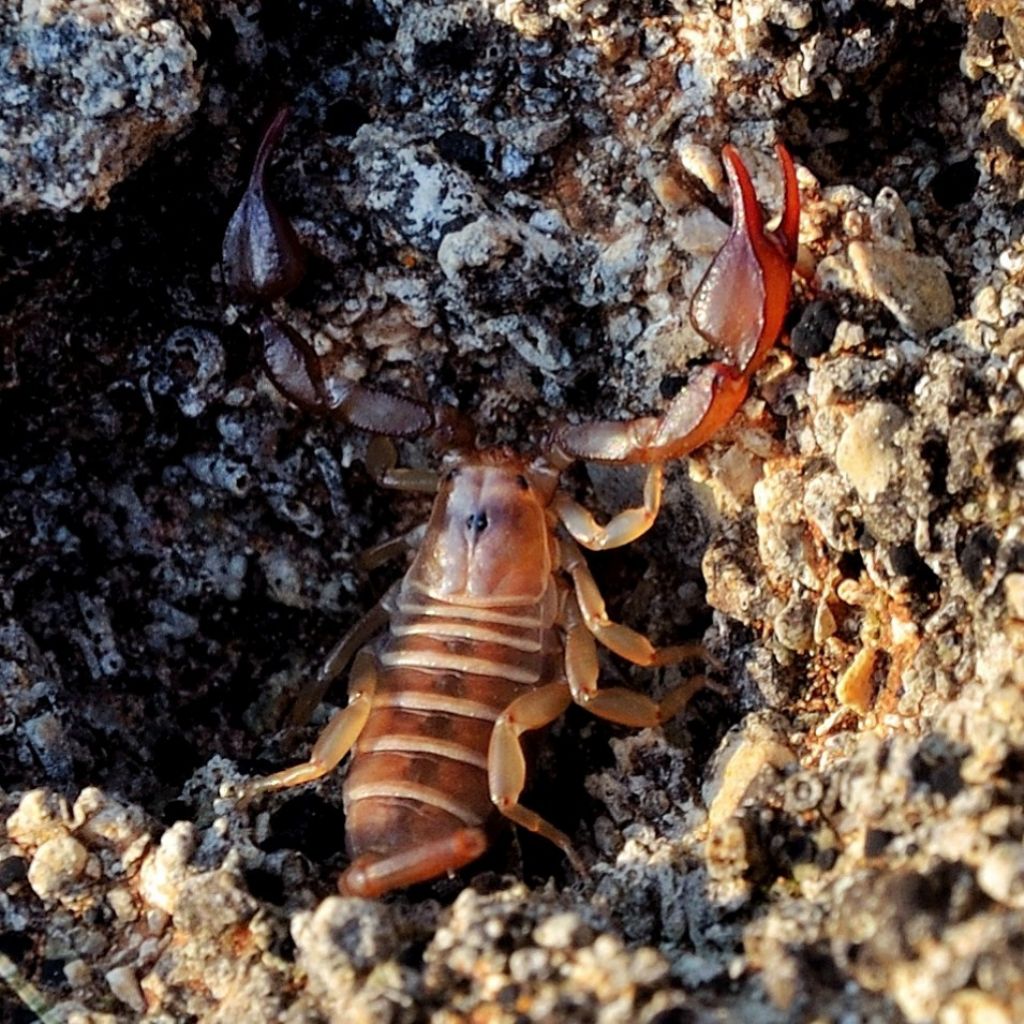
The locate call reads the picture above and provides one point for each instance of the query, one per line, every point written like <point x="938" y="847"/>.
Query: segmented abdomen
<point x="419" y="769"/>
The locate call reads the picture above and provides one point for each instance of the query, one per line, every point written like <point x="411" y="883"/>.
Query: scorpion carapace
<point x="493" y="630"/>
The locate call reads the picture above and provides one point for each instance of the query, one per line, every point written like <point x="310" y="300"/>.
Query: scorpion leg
<point x="621" y="639"/>
<point x="739" y="306"/>
<point x="375" y="620"/>
<point x="506" y="765"/>
<point x="622" y="528"/>
<point x="388" y="549"/>
<point x="382" y="462"/>
<point x="336" y="740"/>
<point x="615" y="703"/>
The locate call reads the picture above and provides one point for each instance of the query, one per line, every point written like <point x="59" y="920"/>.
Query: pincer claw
<point x="741" y="303"/>
<point x="262" y="256"/>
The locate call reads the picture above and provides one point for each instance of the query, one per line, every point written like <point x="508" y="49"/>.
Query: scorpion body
<point x="469" y="636"/>
<point x="493" y="630"/>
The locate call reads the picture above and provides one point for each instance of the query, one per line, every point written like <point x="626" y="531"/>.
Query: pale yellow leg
<point x="335" y="663"/>
<point x="336" y="740"/>
<point x="615" y="703"/>
<point x="506" y="765"/>
<point x="382" y="463"/>
<point x="376" y="556"/>
<point x="622" y="528"/>
<point x="625" y="642"/>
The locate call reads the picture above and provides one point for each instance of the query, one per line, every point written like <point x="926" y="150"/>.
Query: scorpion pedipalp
<point x="262" y="256"/>
<point x="739" y="306"/>
<point x="263" y="260"/>
<point x="295" y="370"/>
<point x="741" y="303"/>
<point x="705" y="405"/>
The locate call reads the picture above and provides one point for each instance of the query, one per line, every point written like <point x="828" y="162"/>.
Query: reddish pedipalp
<point x="742" y="302"/>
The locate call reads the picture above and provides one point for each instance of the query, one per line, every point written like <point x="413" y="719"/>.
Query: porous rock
<point x="89" y="88"/>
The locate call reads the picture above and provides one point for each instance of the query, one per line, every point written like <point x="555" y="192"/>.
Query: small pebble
<point x="41" y="815"/>
<point x="703" y="163"/>
<point x="824" y="622"/>
<point x="123" y="904"/>
<point x="561" y="931"/>
<point x="855" y="688"/>
<point x="973" y="1006"/>
<point x="163" y="871"/>
<point x="125" y="986"/>
<point x="1001" y="874"/>
<point x="913" y="288"/>
<point x="753" y="753"/>
<point x="866" y="452"/>
<point x="57" y="864"/>
<point x="529" y="964"/>
<point x="78" y="973"/>
<point x="794" y="624"/>
<point x="1013" y="586"/>
<point x="815" y="331"/>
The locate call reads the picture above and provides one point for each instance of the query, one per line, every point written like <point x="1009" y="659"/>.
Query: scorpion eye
<point x="522" y="482"/>
<point x="476" y="522"/>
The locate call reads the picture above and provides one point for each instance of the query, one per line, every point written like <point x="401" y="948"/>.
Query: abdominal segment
<point x="419" y="768"/>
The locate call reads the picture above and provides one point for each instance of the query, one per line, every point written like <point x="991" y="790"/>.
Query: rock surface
<point x="88" y="89"/>
<point x="508" y="206"/>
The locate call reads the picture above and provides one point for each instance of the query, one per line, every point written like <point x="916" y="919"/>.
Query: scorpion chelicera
<point x="492" y="632"/>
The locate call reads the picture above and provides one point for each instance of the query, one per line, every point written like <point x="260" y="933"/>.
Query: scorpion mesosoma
<point x="493" y="630"/>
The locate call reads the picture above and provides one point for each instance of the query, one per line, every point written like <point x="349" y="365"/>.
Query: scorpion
<point x="493" y="630"/>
